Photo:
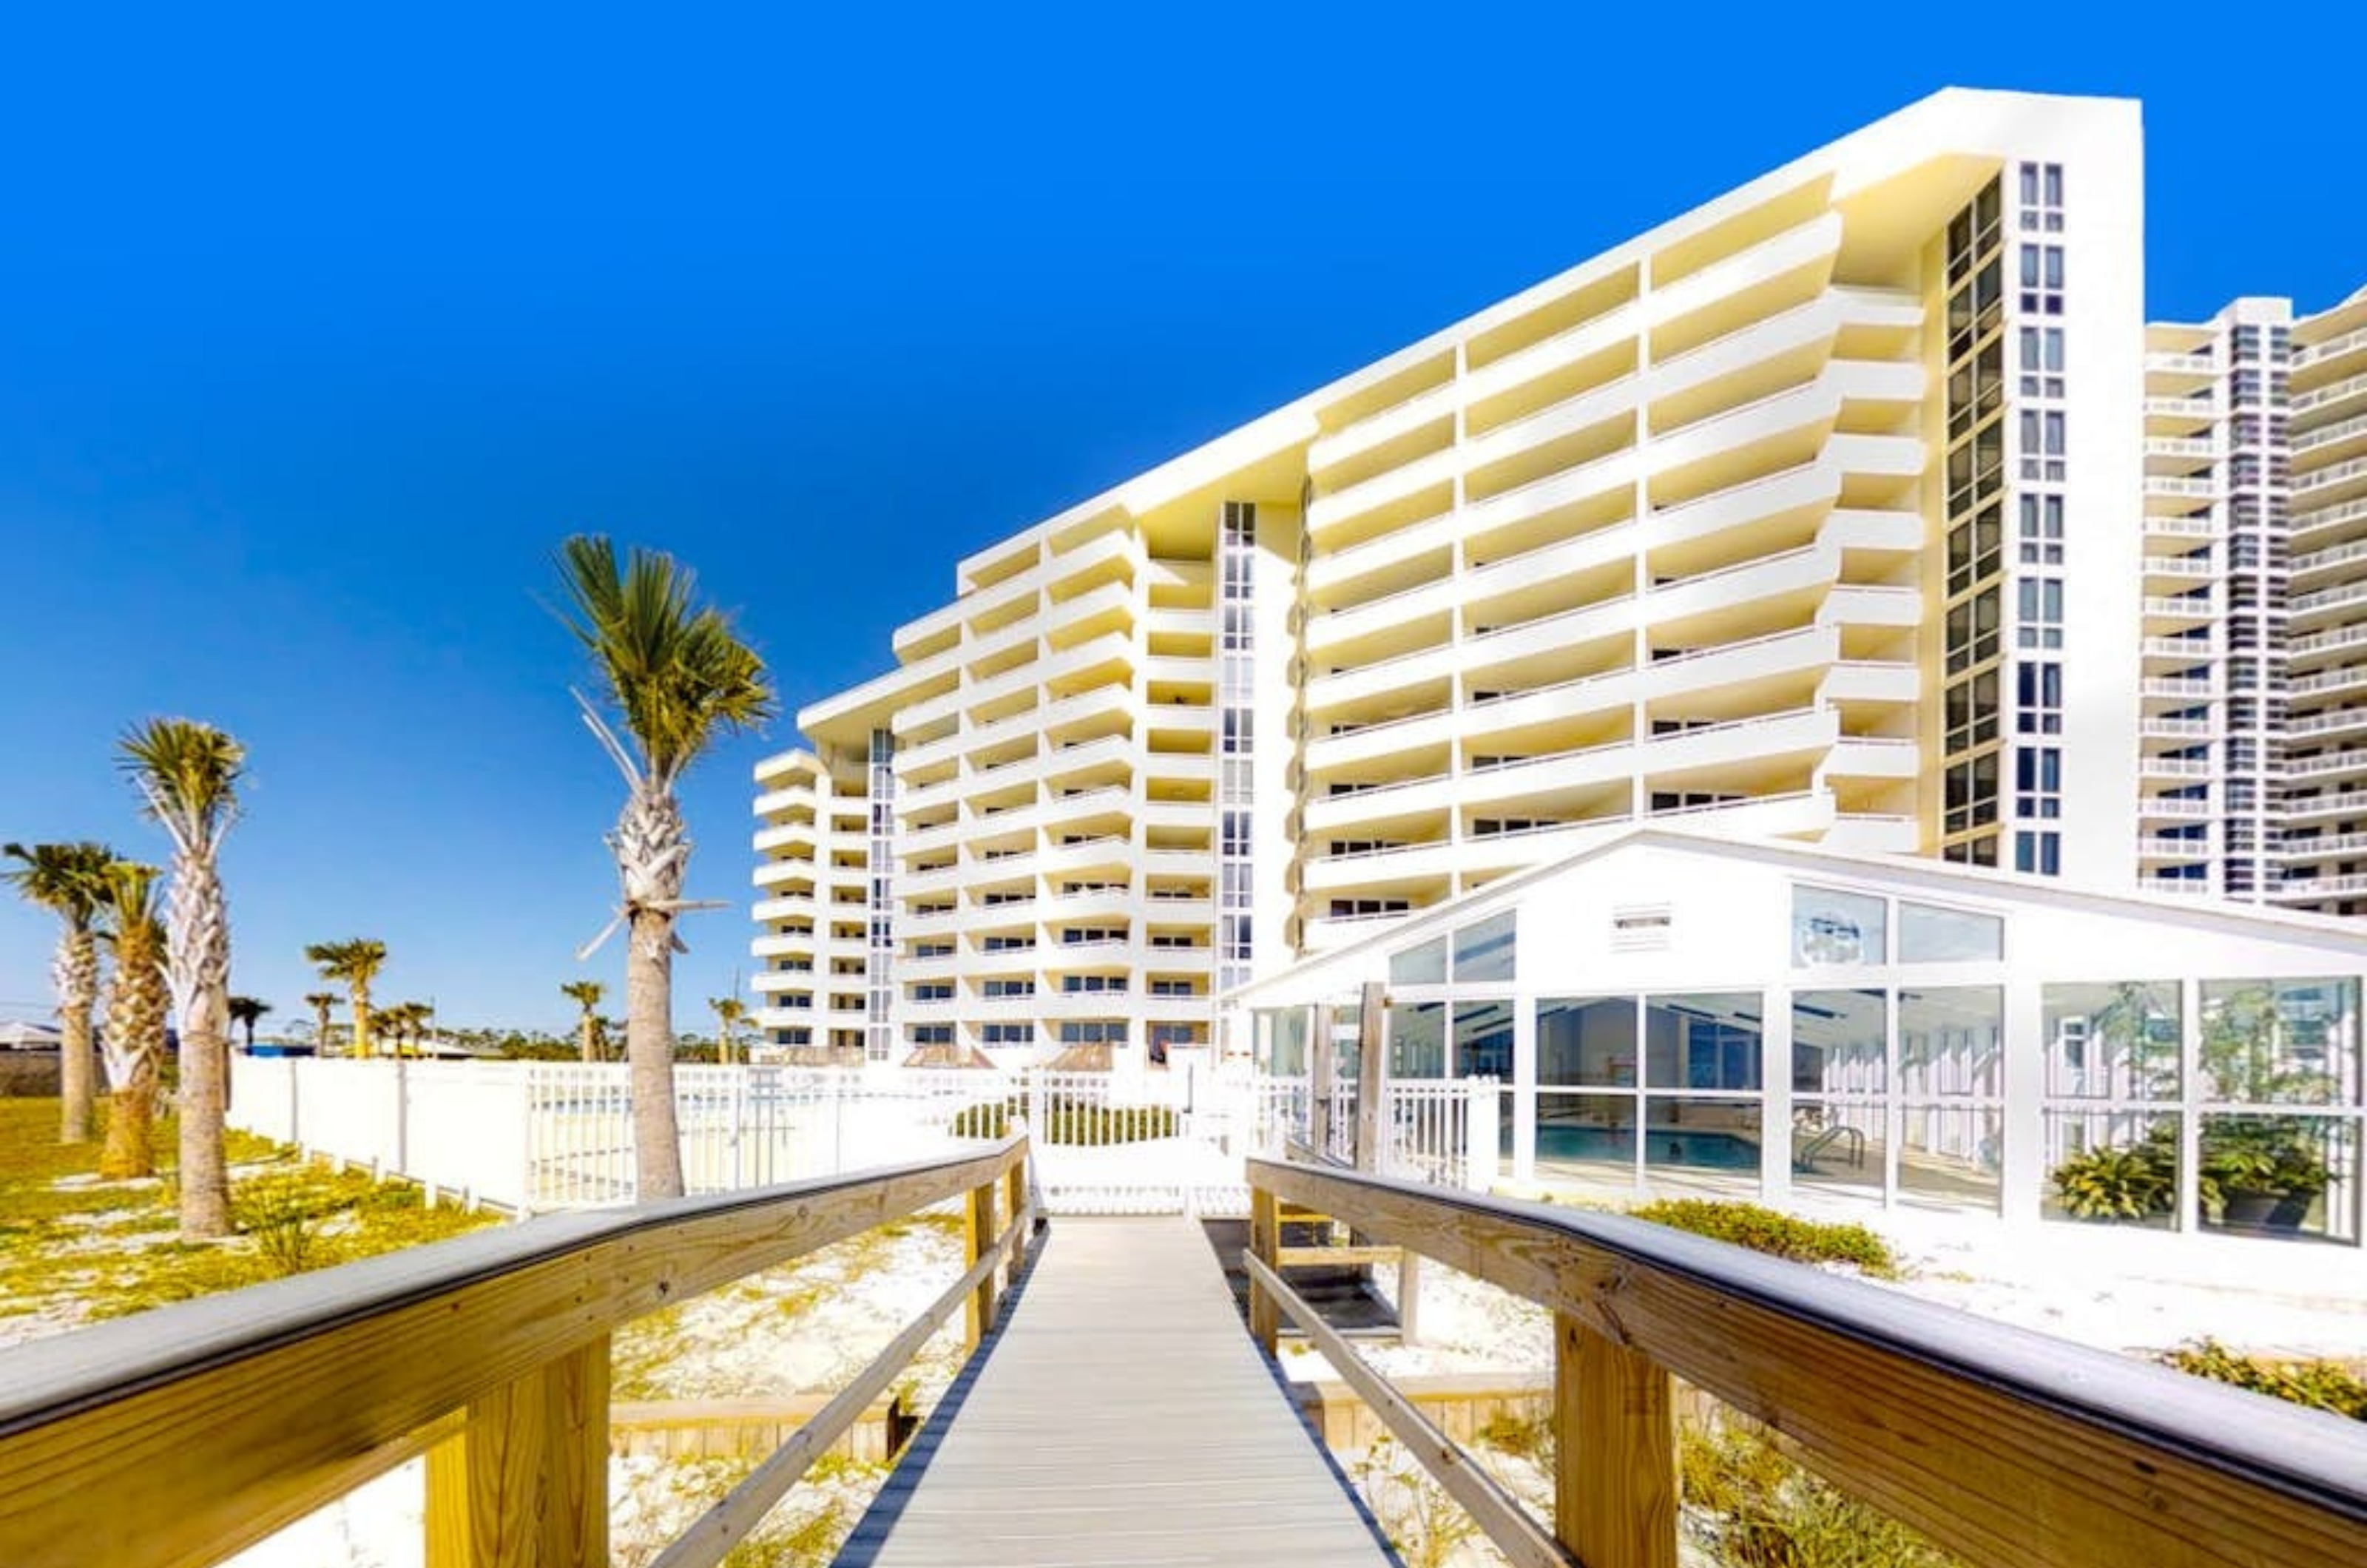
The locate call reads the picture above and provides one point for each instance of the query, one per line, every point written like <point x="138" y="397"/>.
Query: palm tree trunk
<point x="649" y="1046"/>
<point x="77" y="978"/>
<point x="361" y="1018"/>
<point x="129" y="1150"/>
<point x="200" y="928"/>
<point x="583" y="1038"/>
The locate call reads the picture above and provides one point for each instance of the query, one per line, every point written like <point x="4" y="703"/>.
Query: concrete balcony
<point x="2329" y="526"/>
<point x="2321" y="604"/>
<point x="791" y="834"/>
<point x="2328" y="682"/>
<point x="776" y="944"/>
<point x="2156" y="849"/>
<point x="794" y="906"/>
<point x="2331" y="766"/>
<point x="2318" y="355"/>
<point x="2341" y="433"/>
<point x="2163" y="806"/>
<point x="2338" y="399"/>
<point x="2175" y="768"/>
<point x="2310" y="889"/>
<point x="2177" y="729"/>
<point x="1384" y="425"/>
<point x="1393" y="486"/>
<point x="2302" y="850"/>
<point x="1873" y="757"/>
<point x="2182" y="687"/>
<point x="791" y="875"/>
<point x="2195" y="528"/>
<point x="2336" y="721"/>
<point x="1875" y="834"/>
<point x="2323" y="807"/>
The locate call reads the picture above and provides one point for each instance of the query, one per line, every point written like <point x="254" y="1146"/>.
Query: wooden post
<point x="1014" y="1203"/>
<point x="979" y="1240"/>
<point x="1266" y="1243"/>
<point x="525" y="1485"/>
<point x="1322" y="1075"/>
<point x="1372" y="1075"/>
<point x="1615" y="1452"/>
<point x="1409" y="1296"/>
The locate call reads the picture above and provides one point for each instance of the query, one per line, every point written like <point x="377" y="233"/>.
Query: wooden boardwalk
<point x="1122" y="1414"/>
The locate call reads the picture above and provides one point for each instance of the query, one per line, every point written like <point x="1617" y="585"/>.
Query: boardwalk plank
<point x="1122" y="1416"/>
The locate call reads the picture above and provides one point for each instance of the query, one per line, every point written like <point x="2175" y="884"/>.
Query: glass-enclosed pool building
<point x="1669" y="1014"/>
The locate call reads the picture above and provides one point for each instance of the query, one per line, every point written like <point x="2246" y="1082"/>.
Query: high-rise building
<point x="1810" y="513"/>
<point x="2253" y="778"/>
<point x="2324" y="809"/>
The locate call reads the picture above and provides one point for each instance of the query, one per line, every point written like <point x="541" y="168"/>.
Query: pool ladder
<point x="1804" y="1157"/>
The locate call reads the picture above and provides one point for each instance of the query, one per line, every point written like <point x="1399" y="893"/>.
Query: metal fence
<point x="532" y="1136"/>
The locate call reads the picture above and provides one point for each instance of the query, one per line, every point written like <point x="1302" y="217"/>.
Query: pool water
<point x="1662" y="1145"/>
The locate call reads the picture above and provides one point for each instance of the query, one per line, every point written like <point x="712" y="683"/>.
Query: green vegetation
<point x="2322" y="1385"/>
<point x="1778" y="1234"/>
<point x="1749" y="1506"/>
<point x="2274" y="1159"/>
<point x="1068" y="1120"/>
<point x="1425" y="1525"/>
<point x="80" y="1248"/>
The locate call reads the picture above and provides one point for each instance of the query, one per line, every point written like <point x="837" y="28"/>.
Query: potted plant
<point x="2259" y="1171"/>
<point x="2134" y="1183"/>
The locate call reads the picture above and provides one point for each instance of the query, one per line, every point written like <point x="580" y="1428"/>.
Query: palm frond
<point x="69" y="879"/>
<point x="676" y="671"/>
<point x="188" y="773"/>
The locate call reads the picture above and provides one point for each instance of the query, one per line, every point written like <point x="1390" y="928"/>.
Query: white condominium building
<point x="1813" y="512"/>
<point x="2253" y="782"/>
<point x="2324" y="843"/>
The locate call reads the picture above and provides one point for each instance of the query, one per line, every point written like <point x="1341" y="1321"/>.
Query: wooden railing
<point x="2008" y="1449"/>
<point x="173" y="1439"/>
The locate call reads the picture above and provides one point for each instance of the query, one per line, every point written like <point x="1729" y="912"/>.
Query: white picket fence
<point x="532" y="1136"/>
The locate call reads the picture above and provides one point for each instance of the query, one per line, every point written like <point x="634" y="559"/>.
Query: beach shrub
<point x="1749" y="1506"/>
<point x="2322" y="1385"/>
<point x="1067" y="1120"/>
<point x="1777" y="1235"/>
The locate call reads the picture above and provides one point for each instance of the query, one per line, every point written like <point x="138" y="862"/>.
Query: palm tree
<point x="729" y="1013"/>
<point x="405" y="1022"/>
<point x="189" y="773"/>
<point x="321" y="1002"/>
<point x="246" y="1012"/>
<point x="355" y="961"/>
<point x="677" y="674"/>
<point x="133" y="1045"/>
<point x="70" y="880"/>
<point x="586" y="994"/>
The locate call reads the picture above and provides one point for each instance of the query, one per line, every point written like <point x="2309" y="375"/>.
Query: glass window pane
<point x="1423" y="965"/>
<point x="1484" y="951"/>
<point x="1282" y="1041"/>
<point x="1707" y="1144"/>
<point x="2280" y="1042"/>
<point x="1347" y="1059"/>
<point x="1929" y="935"/>
<point x="1418" y="1040"/>
<point x="1587" y="1137"/>
<point x="1833" y="927"/>
<point x="2281" y="1175"/>
<point x="1838" y="1146"/>
<point x="1483" y="1040"/>
<point x="1952" y="1042"/>
<point x="1587" y="1040"/>
<point x="2111" y="1166"/>
<point x="1948" y="1154"/>
<point x="2116" y="1041"/>
<point x="1839" y="1042"/>
<point x="1702" y="1040"/>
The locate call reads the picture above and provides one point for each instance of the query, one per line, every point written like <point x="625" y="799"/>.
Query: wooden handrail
<point x="174" y="1439"/>
<point x="2008" y="1449"/>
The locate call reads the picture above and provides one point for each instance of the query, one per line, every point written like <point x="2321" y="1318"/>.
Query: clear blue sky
<point x="317" y="333"/>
